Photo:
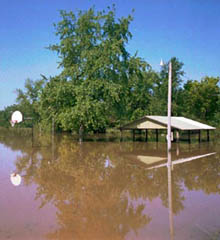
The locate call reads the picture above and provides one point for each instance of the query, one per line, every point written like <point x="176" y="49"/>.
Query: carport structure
<point x="178" y="125"/>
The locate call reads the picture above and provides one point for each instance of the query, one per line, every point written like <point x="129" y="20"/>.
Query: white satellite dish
<point x="15" y="179"/>
<point x="16" y="117"/>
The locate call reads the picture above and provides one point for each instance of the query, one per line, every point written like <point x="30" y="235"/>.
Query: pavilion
<point x="178" y="125"/>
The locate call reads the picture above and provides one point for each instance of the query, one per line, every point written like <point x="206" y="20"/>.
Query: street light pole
<point x="169" y="104"/>
<point x="169" y="108"/>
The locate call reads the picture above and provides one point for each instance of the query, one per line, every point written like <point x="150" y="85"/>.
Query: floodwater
<point x="107" y="190"/>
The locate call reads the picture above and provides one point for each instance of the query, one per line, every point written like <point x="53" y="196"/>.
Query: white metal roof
<point x="181" y="123"/>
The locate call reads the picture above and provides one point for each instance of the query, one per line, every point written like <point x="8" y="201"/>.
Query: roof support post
<point x="199" y="136"/>
<point x="208" y="137"/>
<point x="133" y="134"/>
<point x="189" y="136"/>
<point x="140" y="132"/>
<point x="146" y="135"/>
<point x="157" y="138"/>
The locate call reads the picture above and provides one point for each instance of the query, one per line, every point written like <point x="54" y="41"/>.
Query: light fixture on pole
<point x="161" y="62"/>
<point x="168" y="105"/>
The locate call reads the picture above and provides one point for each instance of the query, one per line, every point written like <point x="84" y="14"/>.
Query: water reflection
<point x="82" y="185"/>
<point x="170" y="195"/>
<point x="170" y="165"/>
<point x="15" y="179"/>
<point x="105" y="190"/>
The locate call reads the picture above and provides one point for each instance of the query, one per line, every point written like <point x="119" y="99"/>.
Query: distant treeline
<point x="102" y="85"/>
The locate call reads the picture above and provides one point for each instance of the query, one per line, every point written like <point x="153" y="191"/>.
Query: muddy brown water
<point x="107" y="190"/>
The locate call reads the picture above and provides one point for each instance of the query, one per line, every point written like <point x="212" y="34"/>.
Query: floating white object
<point x="15" y="179"/>
<point x="16" y="117"/>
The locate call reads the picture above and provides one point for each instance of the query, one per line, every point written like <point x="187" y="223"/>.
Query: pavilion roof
<point x="160" y="122"/>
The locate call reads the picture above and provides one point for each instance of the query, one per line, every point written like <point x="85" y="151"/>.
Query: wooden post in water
<point x="140" y="133"/>
<point x="81" y="133"/>
<point x="32" y="133"/>
<point x="208" y="137"/>
<point x="189" y="136"/>
<point x="157" y="135"/>
<point x="133" y="134"/>
<point x="121" y="136"/>
<point x="53" y="126"/>
<point x="52" y="137"/>
<point x="146" y="135"/>
<point x="199" y="136"/>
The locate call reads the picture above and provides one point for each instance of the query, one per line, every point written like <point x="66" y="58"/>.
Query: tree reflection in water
<point x="92" y="198"/>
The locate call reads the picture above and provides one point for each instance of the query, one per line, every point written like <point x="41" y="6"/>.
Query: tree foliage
<point x="28" y="99"/>
<point x="202" y="98"/>
<point x="101" y="81"/>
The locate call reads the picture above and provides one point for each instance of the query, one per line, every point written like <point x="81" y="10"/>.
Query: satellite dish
<point x="15" y="179"/>
<point x="16" y="117"/>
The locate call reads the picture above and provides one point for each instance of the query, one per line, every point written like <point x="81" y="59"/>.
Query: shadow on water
<point x="107" y="190"/>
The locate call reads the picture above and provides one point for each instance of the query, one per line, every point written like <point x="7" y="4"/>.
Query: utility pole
<point x="169" y="100"/>
<point x="169" y="108"/>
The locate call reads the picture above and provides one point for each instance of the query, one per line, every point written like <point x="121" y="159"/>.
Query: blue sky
<point x="186" y="29"/>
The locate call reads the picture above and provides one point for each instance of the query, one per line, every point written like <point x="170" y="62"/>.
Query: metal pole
<point x="169" y="108"/>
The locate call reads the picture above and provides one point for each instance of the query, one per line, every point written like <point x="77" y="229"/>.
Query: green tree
<point x="99" y="77"/>
<point x="28" y="99"/>
<point x="140" y="100"/>
<point x="202" y="98"/>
